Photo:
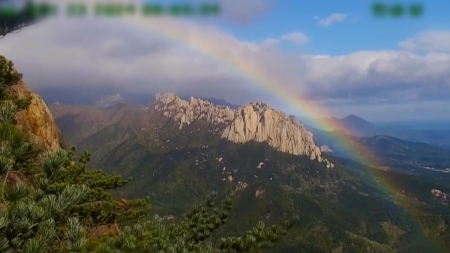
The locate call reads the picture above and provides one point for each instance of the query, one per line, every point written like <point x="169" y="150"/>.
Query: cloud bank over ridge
<point x="132" y="54"/>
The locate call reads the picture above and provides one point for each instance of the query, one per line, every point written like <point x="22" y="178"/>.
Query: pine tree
<point x="193" y="233"/>
<point x="30" y="219"/>
<point x="99" y="207"/>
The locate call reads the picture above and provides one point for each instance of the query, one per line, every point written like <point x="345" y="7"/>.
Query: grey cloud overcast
<point x="97" y="52"/>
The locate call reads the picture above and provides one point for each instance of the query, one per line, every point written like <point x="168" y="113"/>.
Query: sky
<point x="333" y="53"/>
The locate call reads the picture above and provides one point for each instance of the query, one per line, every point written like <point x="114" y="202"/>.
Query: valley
<point x="351" y="204"/>
<point x="389" y="152"/>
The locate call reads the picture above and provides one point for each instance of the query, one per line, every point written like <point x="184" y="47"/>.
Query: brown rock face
<point x="37" y="119"/>
<point x="251" y="122"/>
<point x="105" y="230"/>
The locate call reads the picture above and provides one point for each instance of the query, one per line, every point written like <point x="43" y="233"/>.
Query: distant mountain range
<point x="386" y="151"/>
<point x="359" y="127"/>
<point x="395" y="148"/>
<point x="105" y="96"/>
<point x="90" y="95"/>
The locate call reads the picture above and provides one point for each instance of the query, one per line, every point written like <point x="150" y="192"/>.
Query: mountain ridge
<point x="103" y="96"/>
<point x="254" y="121"/>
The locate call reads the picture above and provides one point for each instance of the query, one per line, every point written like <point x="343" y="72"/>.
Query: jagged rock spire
<point x="251" y="122"/>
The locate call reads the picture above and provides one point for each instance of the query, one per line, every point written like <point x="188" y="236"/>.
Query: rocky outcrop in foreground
<point x="251" y="122"/>
<point x="36" y="119"/>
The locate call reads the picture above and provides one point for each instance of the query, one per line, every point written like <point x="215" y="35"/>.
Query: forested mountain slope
<point x="345" y="208"/>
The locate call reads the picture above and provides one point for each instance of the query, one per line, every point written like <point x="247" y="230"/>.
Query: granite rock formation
<point x="326" y="149"/>
<point x="36" y="119"/>
<point x="187" y="111"/>
<point x="440" y="195"/>
<point x="251" y="122"/>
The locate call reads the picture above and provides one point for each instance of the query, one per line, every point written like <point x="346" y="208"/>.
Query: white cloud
<point x="438" y="41"/>
<point x="293" y="37"/>
<point x="270" y="42"/>
<point x="296" y="37"/>
<point x="138" y="56"/>
<point x="333" y="18"/>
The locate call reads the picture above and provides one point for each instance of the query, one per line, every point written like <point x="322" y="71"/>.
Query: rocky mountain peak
<point x="255" y="121"/>
<point x="260" y="105"/>
<point x="187" y="111"/>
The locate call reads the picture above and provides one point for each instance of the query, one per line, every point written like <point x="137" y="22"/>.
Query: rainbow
<point x="264" y="81"/>
<point x="272" y="86"/>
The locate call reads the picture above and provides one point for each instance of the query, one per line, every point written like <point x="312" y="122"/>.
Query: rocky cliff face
<point x="37" y="119"/>
<point x="187" y="111"/>
<point x="250" y="122"/>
